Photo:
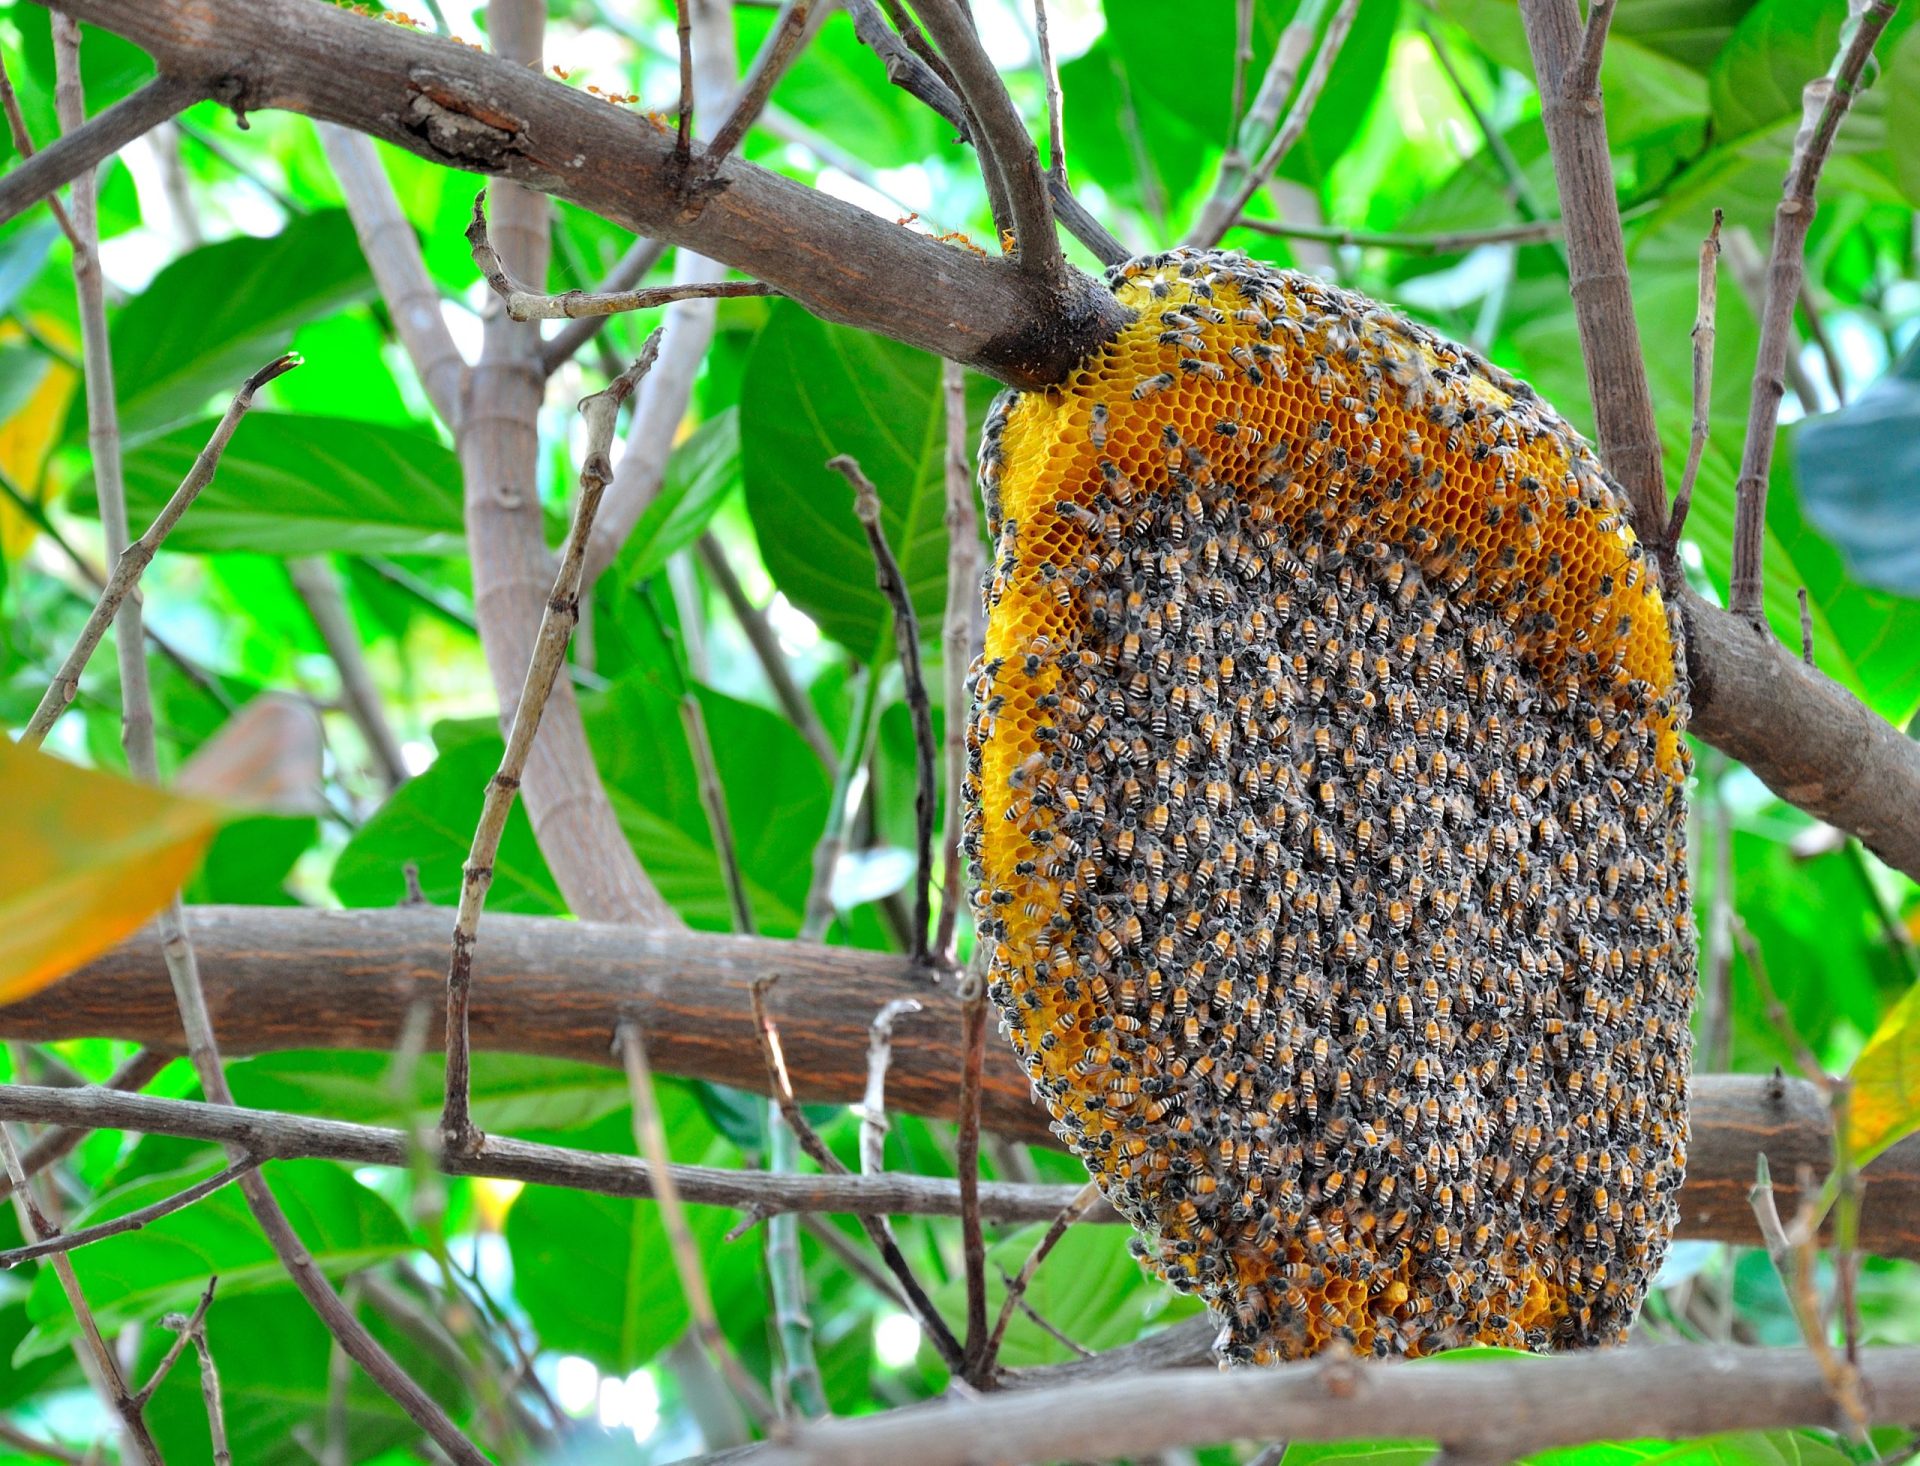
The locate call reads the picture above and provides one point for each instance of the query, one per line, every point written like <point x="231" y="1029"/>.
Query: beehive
<point x="1326" y="810"/>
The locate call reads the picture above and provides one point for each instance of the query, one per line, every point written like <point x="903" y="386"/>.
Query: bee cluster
<point x="1327" y="819"/>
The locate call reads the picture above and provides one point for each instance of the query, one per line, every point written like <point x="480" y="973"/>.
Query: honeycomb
<point x="1327" y="821"/>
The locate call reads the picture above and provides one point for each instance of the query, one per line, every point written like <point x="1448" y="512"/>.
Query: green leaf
<point x="429" y="820"/>
<point x="595" y="1272"/>
<point x="1886" y="1082"/>
<point x="701" y="473"/>
<point x="250" y="860"/>
<point x="223" y="310"/>
<point x="23" y="256"/>
<point x="812" y="390"/>
<point x="138" y="1276"/>
<point x="290" y="484"/>
<point x="22" y="369"/>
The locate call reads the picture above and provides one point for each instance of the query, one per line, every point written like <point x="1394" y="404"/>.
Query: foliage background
<point x="344" y="461"/>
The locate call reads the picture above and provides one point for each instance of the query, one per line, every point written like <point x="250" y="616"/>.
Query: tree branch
<point x="1003" y="142"/>
<point x="1824" y="105"/>
<point x="1489" y="1409"/>
<point x="286" y="979"/>
<point x="1597" y="260"/>
<point x="85" y="147"/>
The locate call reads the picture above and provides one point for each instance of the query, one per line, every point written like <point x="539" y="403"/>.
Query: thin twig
<point x="1806" y="628"/>
<point x="1583" y="76"/>
<point x="56" y="1145"/>
<point x="963" y="615"/>
<point x="195" y="1329"/>
<point x="628" y="271"/>
<point x="906" y="70"/>
<point x="99" y="1357"/>
<point x="651" y="1136"/>
<point x="1242" y="61"/>
<point x="317" y="585"/>
<point x="862" y="729"/>
<point x="799" y="1383"/>
<point x="683" y="126"/>
<point x="1455" y="242"/>
<point x="872" y="1108"/>
<point x="1776" y="1012"/>
<point x="23" y="145"/>
<point x="20" y="1440"/>
<point x="1001" y="140"/>
<point x="1792" y="1249"/>
<point x="1083" y="1201"/>
<point x="1056" y="106"/>
<point x="133" y="561"/>
<point x="783" y="43"/>
<point x="1817" y="329"/>
<point x="1224" y="204"/>
<point x="179" y="1344"/>
<point x="713" y="799"/>
<point x="133" y="1221"/>
<point x="876" y="1229"/>
<point x="906" y="632"/>
<point x="1298" y="115"/>
<point x="550" y="650"/>
<point x="1597" y="279"/>
<point x="1703" y="332"/>
<point x="767" y="650"/>
<point x="1046" y="1325"/>
<point x="966" y="1164"/>
<point x="85" y="145"/>
<point x="1824" y="105"/>
<point x="523" y="304"/>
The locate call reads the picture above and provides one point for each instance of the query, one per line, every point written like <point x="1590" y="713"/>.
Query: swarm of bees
<point x="1327" y="819"/>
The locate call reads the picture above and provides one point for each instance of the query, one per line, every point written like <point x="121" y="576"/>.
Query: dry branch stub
<point x="1328" y="821"/>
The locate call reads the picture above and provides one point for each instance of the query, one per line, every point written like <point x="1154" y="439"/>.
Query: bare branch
<point x="98" y="1358"/>
<point x="1455" y="242"/>
<point x="179" y="1344"/>
<point x="783" y="43"/>
<point x="1597" y="263"/>
<point x="133" y="1221"/>
<point x="84" y="147"/>
<point x="1583" y="77"/>
<point x="1824" y="106"/>
<point x="56" y="1145"/>
<point x="873" y="1105"/>
<point x="766" y="649"/>
<point x="962" y="626"/>
<point x="523" y="304"/>
<point x="1290" y="131"/>
<point x="1806" y="628"/>
<point x="393" y="254"/>
<point x="906" y="635"/>
<point x="1703" y="329"/>
<point x="133" y="560"/>
<point x="628" y="271"/>
<point x="318" y="587"/>
<point x="1002" y="139"/>
<point x="1056" y="106"/>
<point x="550" y="649"/>
<point x="966" y="1165"/>
<point x="291" y="979"/>
<point x="906" y="70"/>
<point x="272" y="1135"/>
<point x="1082" y="1202"/>
<point x="651" y="1136"/>
<point x="876" y="1228"/>
<point x="683" y="125"/>
<point x="1488" y="1408"/>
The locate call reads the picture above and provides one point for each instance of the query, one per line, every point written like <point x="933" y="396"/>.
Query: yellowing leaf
<point x="1886" y="1082"/>
<point x="29" y="435"/>
<point x="85" y="857"/>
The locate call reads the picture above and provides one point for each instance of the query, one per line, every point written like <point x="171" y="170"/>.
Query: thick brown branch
<point x="284" y="979"/>
<point x="467" y="110"/>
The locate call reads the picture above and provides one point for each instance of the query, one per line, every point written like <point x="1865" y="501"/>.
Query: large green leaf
<point x="702" y="471"/>
<point x="812" y="390"/>
<point x="290" y="484"/>
<point x="138" y="1276"/>
<point x="429" y="821"/>
<point x="594" y="1272"/>
<point x="1857" y="467"/>
<point x="219" y="312"/>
